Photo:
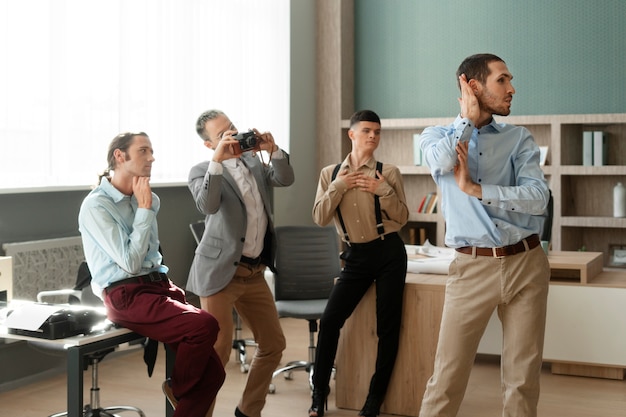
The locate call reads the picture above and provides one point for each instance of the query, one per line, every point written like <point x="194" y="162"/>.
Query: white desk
<point x="77" y="348"/>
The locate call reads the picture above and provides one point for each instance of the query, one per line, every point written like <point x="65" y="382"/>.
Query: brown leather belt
<point x="141" y="279"/>
<point x="532" y="241"/>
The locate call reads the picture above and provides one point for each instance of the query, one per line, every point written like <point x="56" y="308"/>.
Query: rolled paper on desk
<point x="429" y="266"/>
<point x="431" y="259"/>
<point x="430" y="250"/>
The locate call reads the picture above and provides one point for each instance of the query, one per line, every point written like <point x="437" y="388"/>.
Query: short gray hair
<point x="205" y="117"/>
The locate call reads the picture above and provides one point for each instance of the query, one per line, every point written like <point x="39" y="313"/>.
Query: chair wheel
<point x="244" y="368"/>
<point x="272" y="389"/>
<point x="289" y="376"/>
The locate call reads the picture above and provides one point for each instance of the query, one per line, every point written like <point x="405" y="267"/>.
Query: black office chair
<point x="239" y="343"/>
<point x="82" y="294"/>
<point x="307" y="263"/>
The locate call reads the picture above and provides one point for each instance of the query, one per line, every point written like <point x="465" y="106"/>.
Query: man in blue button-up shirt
<point x="494" y="199"/>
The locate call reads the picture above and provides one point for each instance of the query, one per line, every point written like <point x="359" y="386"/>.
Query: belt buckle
<point x="495" y="253"/>
<point x="154" y="276"/>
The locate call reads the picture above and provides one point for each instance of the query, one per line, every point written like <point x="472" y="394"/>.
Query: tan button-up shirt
<point x="357" y="207"/>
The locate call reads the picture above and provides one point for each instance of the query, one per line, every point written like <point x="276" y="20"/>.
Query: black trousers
<point x="383" y="262"/>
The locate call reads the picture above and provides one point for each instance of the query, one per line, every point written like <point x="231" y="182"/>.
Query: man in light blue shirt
<point x="118" y="225"/>
<point x="494" y="199"/>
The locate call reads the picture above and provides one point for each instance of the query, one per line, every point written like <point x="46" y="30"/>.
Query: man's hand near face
<point x="142" y="192"/>
<point x="225" y="147"/>
<point x="267" y="141"/>
<point x="470" y="107"/>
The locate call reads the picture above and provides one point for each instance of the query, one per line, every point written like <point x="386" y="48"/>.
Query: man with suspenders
<point x="366" y="201"/>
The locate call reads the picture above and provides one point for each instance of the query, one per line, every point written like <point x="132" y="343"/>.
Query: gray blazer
<point x="219" y="199"/>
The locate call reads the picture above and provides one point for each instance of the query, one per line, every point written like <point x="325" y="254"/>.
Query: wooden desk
<point x="584" y="333"/>
<point x="422" y="309"/>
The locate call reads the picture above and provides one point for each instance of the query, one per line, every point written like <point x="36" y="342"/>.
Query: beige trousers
<point x="518" y="287"/>
<point x="250" y="295"/>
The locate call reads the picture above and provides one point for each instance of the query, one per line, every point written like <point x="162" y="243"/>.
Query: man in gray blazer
<point x="233" y="191"/>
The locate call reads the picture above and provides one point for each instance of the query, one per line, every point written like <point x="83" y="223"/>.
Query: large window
<point x="75" y="73"/>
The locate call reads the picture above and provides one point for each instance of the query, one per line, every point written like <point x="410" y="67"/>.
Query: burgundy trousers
<point x="159" y="310"/>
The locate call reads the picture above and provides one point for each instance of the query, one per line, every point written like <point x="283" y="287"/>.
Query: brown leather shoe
<point x="167" y="390"/>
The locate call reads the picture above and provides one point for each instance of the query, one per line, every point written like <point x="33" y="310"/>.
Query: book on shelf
<point x="587" y="148"/>
<point x="543" y="155"/>
<point x="413" y="236"/>
<point x="428" y="204"/>
<point x="421" y="206"/>
<point x="429" y="197"/>
<point x="600" y="148"/>
<point x="432" y="206"/>
<point x="417" y="150"/>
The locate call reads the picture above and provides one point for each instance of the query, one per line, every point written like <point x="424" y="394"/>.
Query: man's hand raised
<point x="142" y="192"/>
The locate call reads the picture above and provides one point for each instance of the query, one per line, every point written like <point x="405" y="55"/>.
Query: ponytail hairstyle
<point x="121" y="142"/>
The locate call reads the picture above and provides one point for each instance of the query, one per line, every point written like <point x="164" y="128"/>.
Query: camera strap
<point x="379" y="217"/>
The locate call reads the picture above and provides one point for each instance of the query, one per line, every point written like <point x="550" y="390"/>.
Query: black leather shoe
<point x="319" y="402"/>
<point x="238" y="413"/>
<point x="371" y="408"/>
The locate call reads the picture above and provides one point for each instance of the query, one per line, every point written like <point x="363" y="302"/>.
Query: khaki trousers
<point x="518" y="287"/>
<point x="250" y="295"/>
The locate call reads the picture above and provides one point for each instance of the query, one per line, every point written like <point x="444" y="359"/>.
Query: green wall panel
<point x="566" y="56"/>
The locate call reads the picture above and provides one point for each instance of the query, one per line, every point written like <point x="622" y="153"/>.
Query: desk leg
<point x="170" y="357"/>
<point x="74" y="383"/>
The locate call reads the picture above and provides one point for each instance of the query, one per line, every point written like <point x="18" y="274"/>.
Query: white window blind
<point x="75" y="73"/>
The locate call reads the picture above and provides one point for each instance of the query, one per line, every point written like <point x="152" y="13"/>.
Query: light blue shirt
<point x="504" y="160"/>
<point x="120" y="240"/>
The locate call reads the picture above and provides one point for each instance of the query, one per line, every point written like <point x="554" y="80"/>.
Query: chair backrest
<point x="307" y="262"/>
<point x="546" y="231"/>
<point x="83" y="284"/>
<point x="80" y="294"/>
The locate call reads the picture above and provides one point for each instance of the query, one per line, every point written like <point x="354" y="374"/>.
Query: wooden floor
<point x="124" y="381"/>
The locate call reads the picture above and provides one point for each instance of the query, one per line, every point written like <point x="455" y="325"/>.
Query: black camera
<point x="248" y="141"/>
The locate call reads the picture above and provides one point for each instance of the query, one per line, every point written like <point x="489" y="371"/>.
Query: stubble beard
<point x="487" y="102"/>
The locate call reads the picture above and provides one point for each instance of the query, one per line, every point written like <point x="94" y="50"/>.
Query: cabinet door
<point x="584" y="325"/>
